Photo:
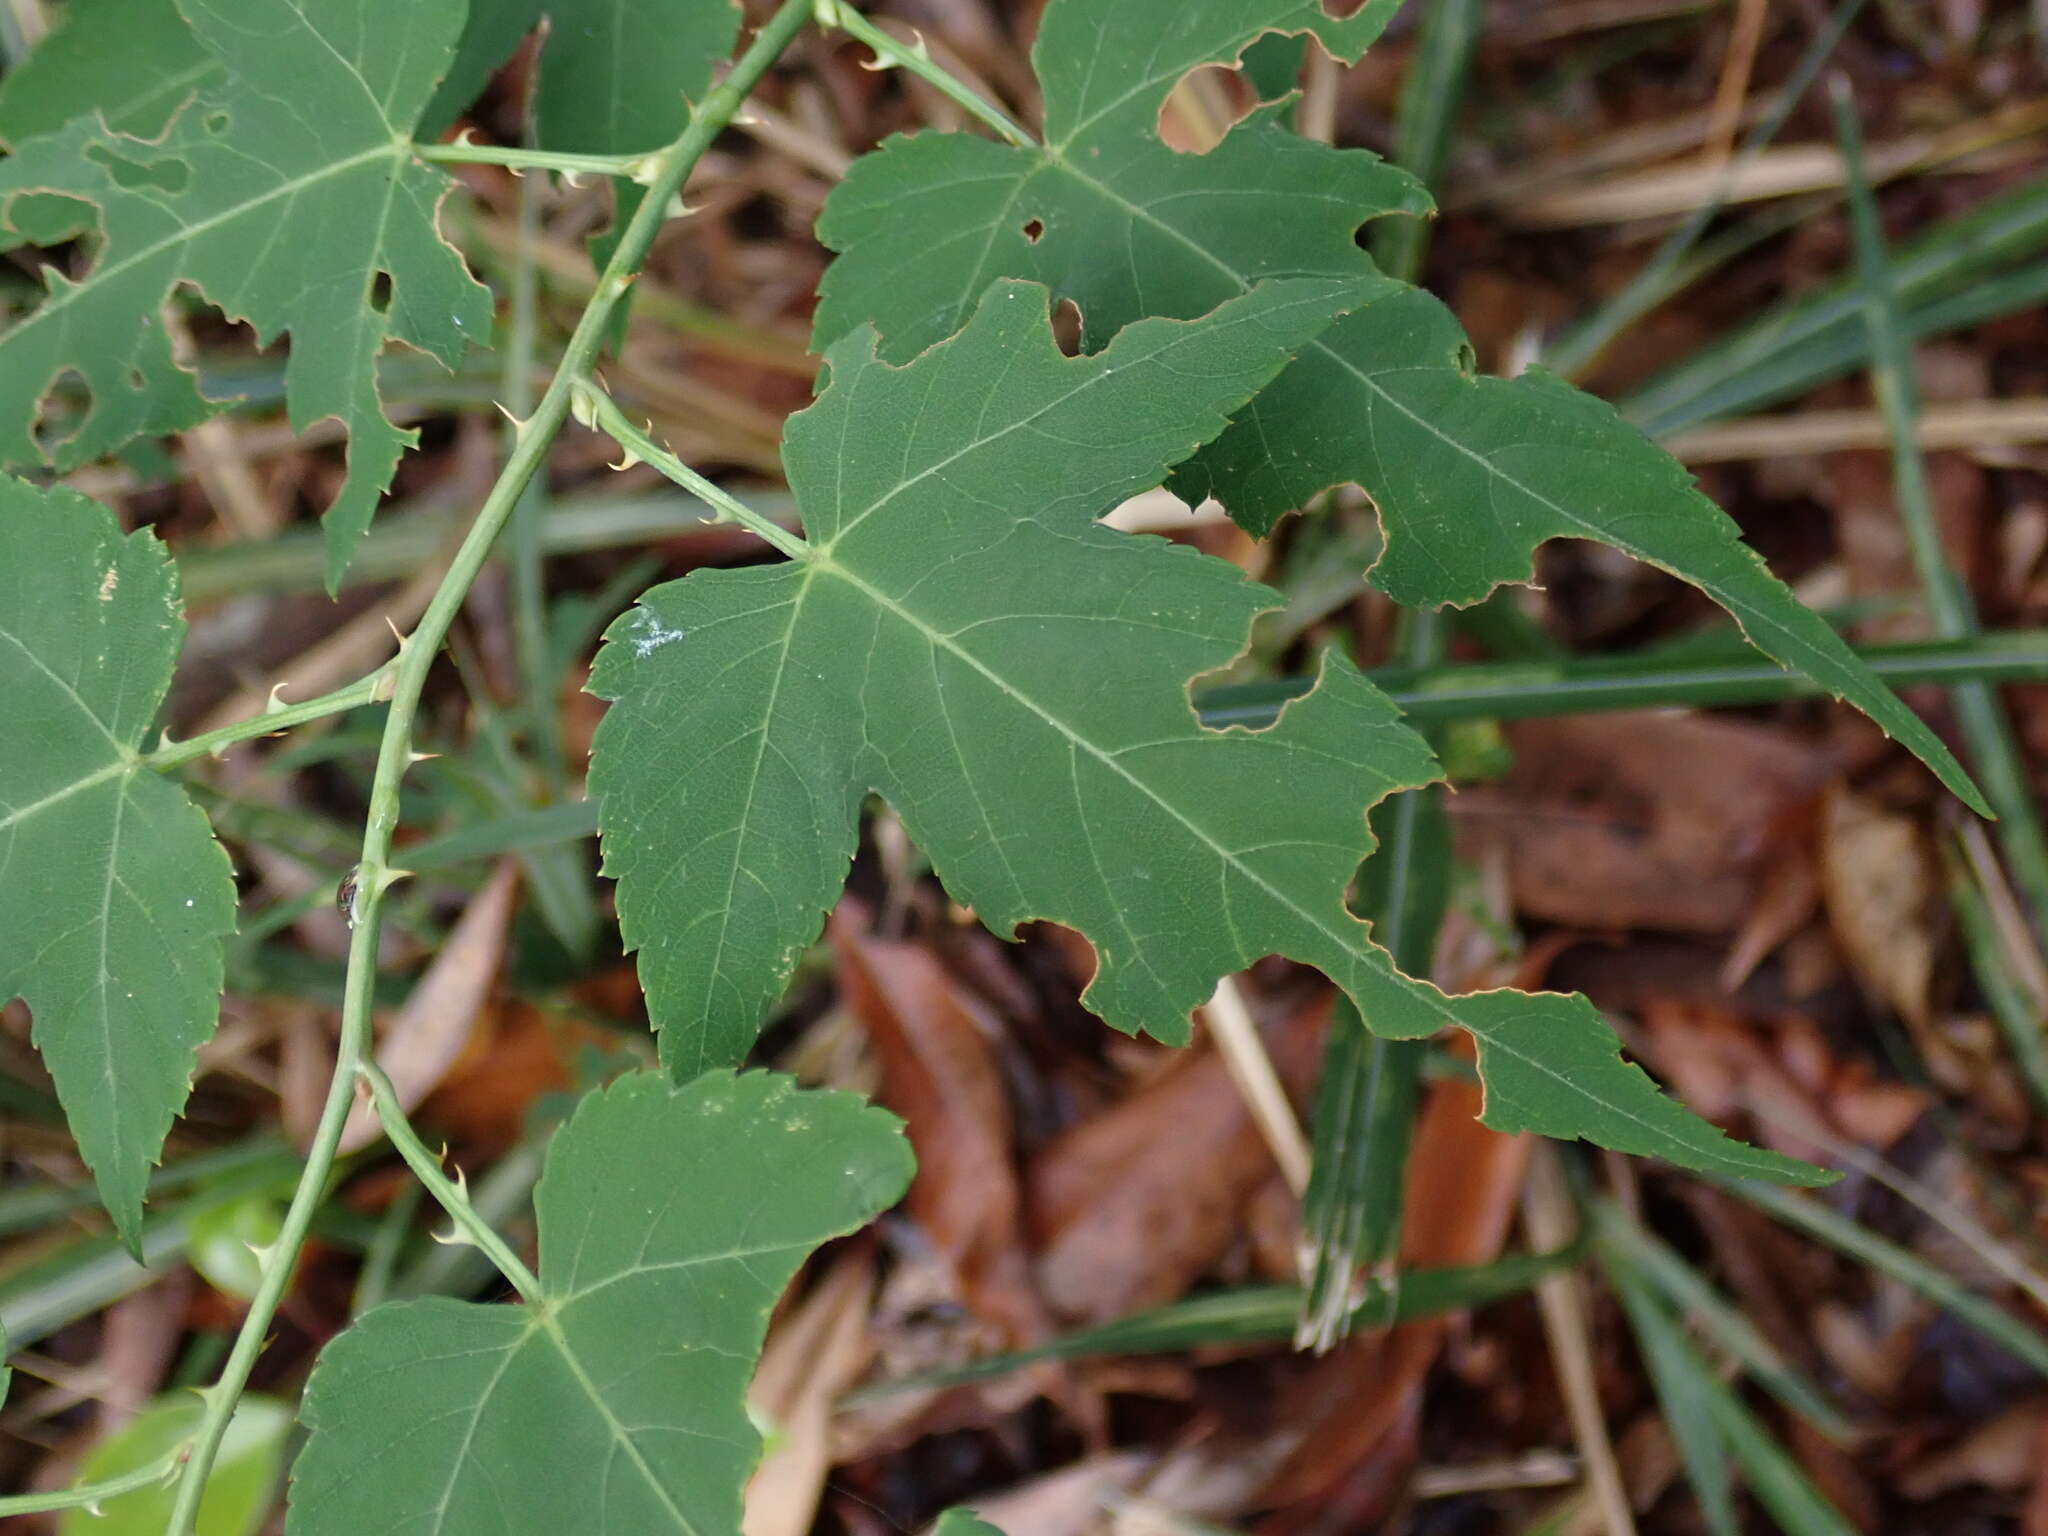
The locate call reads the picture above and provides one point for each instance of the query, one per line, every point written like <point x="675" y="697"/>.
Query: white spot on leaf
<point x="653" y="634"/>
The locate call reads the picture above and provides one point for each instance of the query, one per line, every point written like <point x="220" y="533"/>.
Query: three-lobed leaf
<point x="670" y="1221"/>
<point x="114" y="896"/>
<point x="960" y="634"/>
<point x="287" y="192"/>
<point x="1469" y="474"/>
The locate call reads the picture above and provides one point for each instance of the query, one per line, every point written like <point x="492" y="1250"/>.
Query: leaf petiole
<point x="893" y="53"/>
<point x="453" y="1197"/>
<point x="394" y="754"/>
<point x="601" y="413"/>
<point x="373" y="688"/>
<point x="637" y="168"/>
<point x="87" y="1495"/>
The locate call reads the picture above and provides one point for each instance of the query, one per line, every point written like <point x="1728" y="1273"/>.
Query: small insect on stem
<point x="345" y="895"/>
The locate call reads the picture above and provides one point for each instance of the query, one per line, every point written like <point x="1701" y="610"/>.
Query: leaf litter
<point x="1938" y="1419"/>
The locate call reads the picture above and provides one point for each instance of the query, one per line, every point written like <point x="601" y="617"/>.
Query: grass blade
<point x="1263" y="1314"/>
<point x="1684" y="1384"/>
<point x="1667" y="271"/>
<point x="1430" y="98"/>
<point x="1958" y="273"/>
<point x="1858" y="1242"/>
<point x="1986" y="729"/>
<point x="1690" y="1294"/>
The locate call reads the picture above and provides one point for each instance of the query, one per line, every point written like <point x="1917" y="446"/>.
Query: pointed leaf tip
<point x="1469" y="474"/>
<point x="117" y="897"/>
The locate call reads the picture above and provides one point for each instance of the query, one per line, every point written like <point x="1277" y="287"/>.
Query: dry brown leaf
<point x="520" y="1054"/>
<point x="939" y="1073"/>
<point x="1858" y="489"/>
<point x="814" y="1353"/>
<point x="1999" y="1453"/>
<point x="1881" y="894"/>
<point x="1641" y="820"/>
<point x="426" y="1036"/>
<point x="1463" y="1181"/>
<point x="1130" y="1208"/>
<point x="139" y="1337"/>
<point x="2034" y="1519"/>
<point x="1065" y="1502"/>
<point x="1724" y="1065"/>
<point x="1787" y="896"/>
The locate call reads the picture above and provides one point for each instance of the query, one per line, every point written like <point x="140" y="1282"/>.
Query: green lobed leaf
<point x="964" y="1522"/>
<point x="114" y="897"/>
<point x="134" y="62"/>
<point x="1469" y="474"/>
<point x="287" y="192"/>
<point x="960" y="634"/>
<point x="670" y="1221"/>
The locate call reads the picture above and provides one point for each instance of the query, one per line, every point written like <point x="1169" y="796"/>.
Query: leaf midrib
<point x="547" y="1323"/>
<point x="1424" y="992"/>
<point x="1748" y="615"/>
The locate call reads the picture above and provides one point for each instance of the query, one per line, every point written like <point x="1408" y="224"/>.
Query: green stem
<point x="292" y="562"/>
<point x="891" y="53"/>
<point x="1662" y="276"/>
<point x="86" y="1494"/>
<point x="1430" y="100"/>
<point x="1986" y="731"/>
<point x="1583" y="684"/>
<point x="635" y="166"/>
<point x="374" y="872"/>
<point x="1819" y="1220"/>
<point x="603" y="413"/>
<point x="373" y="689"/>
<point x="452" y="1197"/>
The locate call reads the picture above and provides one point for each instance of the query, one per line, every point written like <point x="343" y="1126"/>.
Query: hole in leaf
<point x="1209" y="101"/>
<point x="1273" y="63"/>
<point x="167" y="175"/>
<point x="50" y="218"/>
<point x="217" y="122"/>
<point x="380" y="293"/>
<point x="1034" y="230"/>
<point x="1342" y="9"/>
<point x="61" y="414"/>
<point x="1067" y="328"/>
<point x="207" y="332"/>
